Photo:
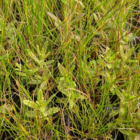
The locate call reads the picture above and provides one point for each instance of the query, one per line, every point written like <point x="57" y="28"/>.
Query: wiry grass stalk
<point x="69" y="69"/>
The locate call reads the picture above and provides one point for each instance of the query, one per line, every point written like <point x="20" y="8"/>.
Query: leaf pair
<point x="37" y="74"/>
<point x="41" y="106"/>
<point x="67" y="86"/>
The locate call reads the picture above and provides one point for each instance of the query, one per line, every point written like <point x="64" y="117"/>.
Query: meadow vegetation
<point x="69" y="69"/>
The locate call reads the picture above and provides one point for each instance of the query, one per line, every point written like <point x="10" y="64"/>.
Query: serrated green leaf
<point x="21" y="73"/>
<point x="32" y="70"/>
<point x="29" y="103"/>
<point x="49" y="100"/>
<point x="71" y="103"/>
<point x="66" y="92"/>
<point x="63" y="84"/>
<point x="42" y="109"/>
<point x="122" y="112"/>
<point x="77" y="95"/>
<point x="43" y="85"/>
<point x="38" y="50"/>
<point x="40" y="95"/>
<point x="33" y="57"/>
<point x="51" y="111"/>
<point x="31" y="114"/>
<point x="49" y="62"/>
<point x="62" y="70"/>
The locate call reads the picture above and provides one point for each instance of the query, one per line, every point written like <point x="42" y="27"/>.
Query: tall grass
<point x="69" y="69"/>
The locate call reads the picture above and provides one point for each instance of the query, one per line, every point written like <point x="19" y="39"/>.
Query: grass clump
<point x="69" y="69"/>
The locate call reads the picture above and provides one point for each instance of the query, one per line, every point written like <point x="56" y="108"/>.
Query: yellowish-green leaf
<point x="4" y="108"/>
<point x="40" y="95"/>
<point x="62" y="70"/>
<point x="44" y="84"/>
<point x="49" y="100"/>
<point x="29" y="103"/>
<point x="51" y="111"/>
<point x="33" y="57"/>
<point x="32" y="114"/>
<point x="49" y="62"/>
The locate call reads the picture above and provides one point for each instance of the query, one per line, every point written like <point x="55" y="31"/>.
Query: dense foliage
<point x="69" y="69"/>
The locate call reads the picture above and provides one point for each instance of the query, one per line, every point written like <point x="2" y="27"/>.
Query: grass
<point x="69" y="69"/>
